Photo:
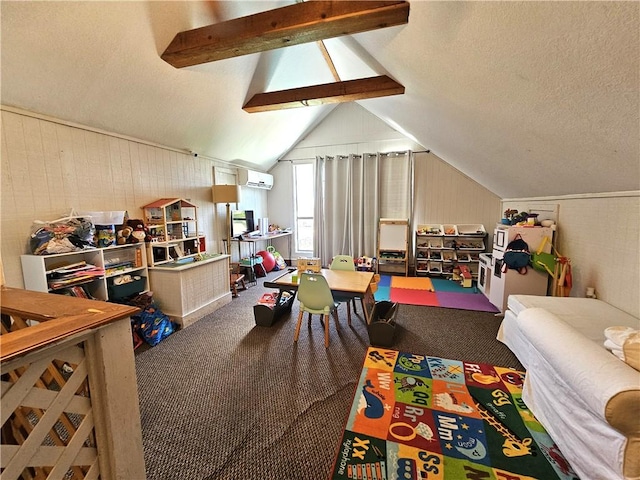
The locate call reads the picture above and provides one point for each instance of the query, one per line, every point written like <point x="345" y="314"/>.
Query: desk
<point x="262" y="238"/>
<point x="345" y="283"/>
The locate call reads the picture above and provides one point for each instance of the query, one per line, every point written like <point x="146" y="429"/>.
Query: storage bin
<point x="436" y="243"/>
<point x="265" y="315"/>
<point x="472" y="229"/>
<point x="435" y="255"/>
<point x="114" y="217"/>
<point x="429" y="229"/>
<point x="383" y="325"/>
<point x="435" y="267"/>
<point x="450" y="230"/>
<point x="126" y="289"/>
<point x="449" y="256"/>
<point x="422" y="265"/>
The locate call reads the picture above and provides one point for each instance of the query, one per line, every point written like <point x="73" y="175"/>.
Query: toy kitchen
<point x="498" y="282"/>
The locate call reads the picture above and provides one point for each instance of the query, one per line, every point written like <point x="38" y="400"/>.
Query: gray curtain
<point x="352" y="193"/>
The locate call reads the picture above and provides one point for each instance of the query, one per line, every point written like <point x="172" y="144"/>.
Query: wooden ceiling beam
<point x="347" y="91"/>
<point x="282" y="27"/>
<point x="328" y="59"/>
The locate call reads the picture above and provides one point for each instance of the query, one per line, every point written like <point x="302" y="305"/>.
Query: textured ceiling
<point x="527" y="98"/>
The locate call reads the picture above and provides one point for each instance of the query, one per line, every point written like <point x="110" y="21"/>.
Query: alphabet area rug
<point x="419" y="417"/>
<point x="432" y="292"/>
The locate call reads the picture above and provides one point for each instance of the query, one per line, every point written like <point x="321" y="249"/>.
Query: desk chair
<point x="315" y="296"/>
<point x="345" y="262"/>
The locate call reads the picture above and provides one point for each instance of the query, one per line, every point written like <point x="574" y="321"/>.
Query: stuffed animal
<point x="140" y="232"/>
<point x="123" y="236"/>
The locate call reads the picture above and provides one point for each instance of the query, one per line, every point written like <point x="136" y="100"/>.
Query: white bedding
<point x="587" y="315"/>
<point x="569" y="380"/>
<point x="568" y="386"/>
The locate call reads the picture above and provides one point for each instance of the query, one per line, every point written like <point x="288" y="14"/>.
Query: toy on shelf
<point x="366" y="264"/>
<point x="309" y="265"/>
<point x="466" y="280"/>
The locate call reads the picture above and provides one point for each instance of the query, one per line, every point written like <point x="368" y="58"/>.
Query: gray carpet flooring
<point x="225" y="399"/>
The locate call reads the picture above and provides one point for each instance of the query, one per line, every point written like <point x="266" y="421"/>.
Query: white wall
<point x="445" y="195"/>
<point x="601" y="235"/>
<point x="250" y="199"/>
<point x="49" y="168"/>
<point x="280" y="201"/>
<point x="349" y="128"/>
<point x="442" y="193"/>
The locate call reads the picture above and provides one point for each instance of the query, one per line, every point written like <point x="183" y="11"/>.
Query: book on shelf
<point x="72" y="274"/>
<point x="79" y="291"/>
<point x="118" y="267"/>
<point x="75" y="291"/>
<point x="67" y="282"/>
<point x="72" y="267"/>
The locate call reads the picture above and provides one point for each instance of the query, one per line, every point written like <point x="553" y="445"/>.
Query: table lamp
<point x="226" y="194"/>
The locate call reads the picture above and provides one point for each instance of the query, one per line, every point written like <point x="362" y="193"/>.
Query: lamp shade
<point x="226" y="193"/>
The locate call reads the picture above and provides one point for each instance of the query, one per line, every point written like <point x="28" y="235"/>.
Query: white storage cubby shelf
<point x="440" y="248"/>
<point x="173" y="227"/>
<point x="63" y="273"/>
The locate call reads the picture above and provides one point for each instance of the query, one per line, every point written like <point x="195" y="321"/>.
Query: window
<point x="304" y="206"/>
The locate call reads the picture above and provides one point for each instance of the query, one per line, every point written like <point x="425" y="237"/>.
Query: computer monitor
<point x="241" y="222"/>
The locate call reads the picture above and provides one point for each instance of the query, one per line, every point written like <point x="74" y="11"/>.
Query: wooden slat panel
<point x="69" y="456"/>
<point x="348" y="91"/>
<point x="13" y="398"/>
<point x="282" y="27"/>
<point x="41" y="398"/>
<point x="46" y="456"/>
<point x="31" y="445"/>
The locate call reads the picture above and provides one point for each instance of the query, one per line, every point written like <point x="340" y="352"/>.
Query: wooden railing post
<point x="114" y="395"/>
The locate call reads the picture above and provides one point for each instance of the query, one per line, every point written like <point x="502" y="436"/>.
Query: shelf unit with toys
<point x="110" y="273"/>
<point x="440" y="249"/>
<point x="173" y="227"/>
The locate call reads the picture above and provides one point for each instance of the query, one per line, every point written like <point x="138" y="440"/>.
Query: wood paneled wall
<point x="49" y="168"/>
<point x="445" y="195"/>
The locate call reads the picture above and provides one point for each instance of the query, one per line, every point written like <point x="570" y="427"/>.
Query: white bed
<point x="587" y="399"/>
<point x="587" y="315"/>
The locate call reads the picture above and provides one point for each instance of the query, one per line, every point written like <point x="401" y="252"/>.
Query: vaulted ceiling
<point x="527" y="98"/>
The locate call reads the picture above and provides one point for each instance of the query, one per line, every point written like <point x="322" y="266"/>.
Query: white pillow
<point x="624" y="343"/>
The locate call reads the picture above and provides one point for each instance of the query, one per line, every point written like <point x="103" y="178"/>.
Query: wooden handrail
<point x="60" y="317"/>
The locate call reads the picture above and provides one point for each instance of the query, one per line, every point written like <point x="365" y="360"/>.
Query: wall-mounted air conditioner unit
<point x="251" y="178"/>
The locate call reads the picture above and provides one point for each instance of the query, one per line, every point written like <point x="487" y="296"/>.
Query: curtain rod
<point x="384" y="153"/>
